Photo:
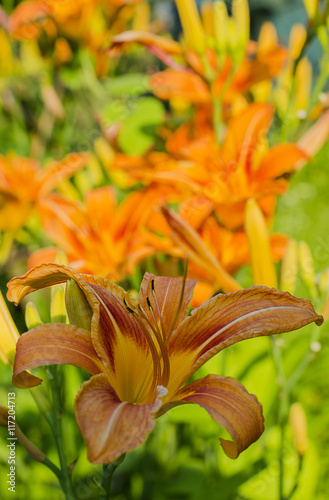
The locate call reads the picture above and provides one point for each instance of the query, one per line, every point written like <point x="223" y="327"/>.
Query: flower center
<point x="152" y="325"/>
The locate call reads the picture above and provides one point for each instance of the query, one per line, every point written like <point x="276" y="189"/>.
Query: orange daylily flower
<point x="23" y="184"/>
<point x="92" y="22"/>
<point x="142" y="352"/>
<point x="186" y="77"/>
<point x="214" y="252"/>
<point x="99" y="237"/>
<point x="222" y="178"/>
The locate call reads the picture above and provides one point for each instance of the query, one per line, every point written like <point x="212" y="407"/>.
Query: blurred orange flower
<point x="99" y="237"/>
<point x="220" y="179"/>
<point x="23" y="184"/>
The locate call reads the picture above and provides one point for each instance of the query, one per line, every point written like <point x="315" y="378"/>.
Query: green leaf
<point x="139" y="127"/>
<point x="133" y="84"/>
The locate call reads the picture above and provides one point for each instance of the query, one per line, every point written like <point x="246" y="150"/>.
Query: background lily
<point x="142" y="352"/>
<point x="23" y="185"/>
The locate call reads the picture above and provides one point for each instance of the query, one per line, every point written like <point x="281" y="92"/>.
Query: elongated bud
<point x="83" y="181"/>
<point x="77" y="306"/>
<point x="192" y="26"/>
<point x="311" y="7"/>
<point x="32" y="317"/>
<point x="299" y="428"/>
<point x="141" y="18"/>
<point x="259" y="246"/>
<point x="296" y="40"/>
<point x="303" y="87"/>
<point x="241" y="16"/>
<point x="193" y="246"/>
<point x="207" y="15"/>
<point x="268" y="37"/>
<point x="61" y="259"/>
<point x="289" y="268"/>
<point x="323" y="283"/>
<point x="57" y="305"/>
<point x="104" y="152"/>
<point x="306" y="265"/>
<point x="221" y="25"/>
<point x="96" y="172"/>
<point x="32" y="450"/>
<point x="8" y="334"/>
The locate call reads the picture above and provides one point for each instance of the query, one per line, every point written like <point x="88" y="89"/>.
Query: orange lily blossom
<point x="23" y="184"/>
<point x="222" y="178"/>
<point x="99" y="237"/>
<point x="190" y="79"/>
<point x="142" y="352"/>
<point x="214" y="252"/>
<point x="91" y="22"/>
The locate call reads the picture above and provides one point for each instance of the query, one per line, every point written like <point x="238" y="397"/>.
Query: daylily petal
<point x="109" y="426"/>
<point x="227" y="319"/>
<point x="192" y="244"/>
<point x="168" y="293"/>
<point x="171" y="84"/>
<point x="230" y="405"/>
<point x="54" y="344"/>
<point x="52" y="175"/>
<point x="278" y="161"/>
<point x="116" y="335"/>
<point x="148" y="39"/>
<point x="245" y="130"/>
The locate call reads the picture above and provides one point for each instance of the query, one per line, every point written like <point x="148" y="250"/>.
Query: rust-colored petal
<point x="54" y="344"/>
<point x="109" y="426"/>
<point x="227" y="319"/>
<point x="172" y="84"/>
<point x="168" y="293"/>
<point x="230" y="405"/>
<point x="116" y="335"/>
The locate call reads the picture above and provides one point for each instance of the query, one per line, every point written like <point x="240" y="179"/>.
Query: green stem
<point x="283" y="409"/>
<point x="108" y="471"/>
<point x="57" y="431"/>
<point x="48" y="463"/>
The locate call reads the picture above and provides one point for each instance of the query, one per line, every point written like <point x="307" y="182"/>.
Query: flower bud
<point x="61" y="259"/>
<point x="32" y="317"/>
<point x="241" y="16"/>
<point x="259" y="246"/>
<point x="192" y="26"/>
<point x="57" y="305"/>
<point x="306" y="265"/>
<point x="289" y="268"/>
<point x="221" y="25"/>
<point x="207" y="15"/>
<point x="299" y="428"/>
<point x="77" y="306"/>
<point x="141" y="18"/>
<point x="311" y="7"/>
